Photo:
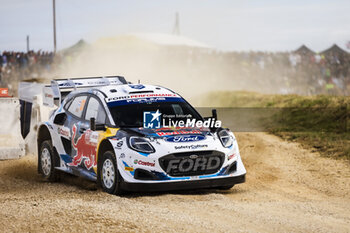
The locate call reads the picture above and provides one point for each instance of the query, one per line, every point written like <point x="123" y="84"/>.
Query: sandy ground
<point x="288" y="189"/>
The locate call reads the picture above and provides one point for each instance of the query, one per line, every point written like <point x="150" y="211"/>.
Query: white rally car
<point x="110" y="131"/>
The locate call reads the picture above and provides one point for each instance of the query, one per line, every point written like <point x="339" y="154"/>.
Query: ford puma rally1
<point x="132" y="137"/>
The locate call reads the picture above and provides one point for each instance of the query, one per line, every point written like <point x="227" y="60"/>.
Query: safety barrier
<point x="12" y="145"/>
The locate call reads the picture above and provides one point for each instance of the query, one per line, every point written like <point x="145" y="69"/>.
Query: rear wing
<point x="54" y="94"/>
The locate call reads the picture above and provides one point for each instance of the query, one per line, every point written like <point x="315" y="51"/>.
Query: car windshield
<point x="131" y="115"/>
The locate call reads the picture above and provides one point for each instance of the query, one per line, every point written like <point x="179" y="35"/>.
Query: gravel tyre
<point x="48" y="161"/>
<point x="109" y="177"/>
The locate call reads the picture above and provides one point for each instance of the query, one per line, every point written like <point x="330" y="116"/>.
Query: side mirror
<point x="214" y="114"/>
<point x="94" y="126"/>
<point x="60" y="118"/>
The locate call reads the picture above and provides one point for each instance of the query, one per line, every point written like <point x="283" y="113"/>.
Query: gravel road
<point x="288" y="189"/>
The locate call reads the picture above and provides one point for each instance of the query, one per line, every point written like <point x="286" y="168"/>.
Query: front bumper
<point x="183" y="185"/>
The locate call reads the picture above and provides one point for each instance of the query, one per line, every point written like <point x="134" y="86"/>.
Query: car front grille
<point x="192" y="163"/>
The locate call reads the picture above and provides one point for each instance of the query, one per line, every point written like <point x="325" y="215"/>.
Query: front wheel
<point x="47" y="162"/>
<point x="109" y="175"/>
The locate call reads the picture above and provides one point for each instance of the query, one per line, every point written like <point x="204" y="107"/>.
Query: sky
<point x="265" y="25"/>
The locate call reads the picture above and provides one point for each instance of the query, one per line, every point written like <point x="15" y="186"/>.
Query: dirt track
<point x="287" y="189"/>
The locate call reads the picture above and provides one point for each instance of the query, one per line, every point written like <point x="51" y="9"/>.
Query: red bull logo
<point x="85" y="148"/>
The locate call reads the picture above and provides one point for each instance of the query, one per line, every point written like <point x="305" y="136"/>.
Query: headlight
<point x="141" y="145"/>
<point x="225" y="138"/>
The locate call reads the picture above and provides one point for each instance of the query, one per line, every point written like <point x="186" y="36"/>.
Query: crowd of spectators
<point x="16" y="66"/>
<point x="304" y="73"/>
<point x="322" y="73"/>
<point x="299" y="72"/>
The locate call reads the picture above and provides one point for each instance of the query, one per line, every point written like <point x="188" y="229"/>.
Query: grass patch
<point x="317" y="122"/>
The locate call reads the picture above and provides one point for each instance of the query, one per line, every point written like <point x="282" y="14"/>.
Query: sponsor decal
<point x="179" y="132"/>
<point x="144" y="163"/>
<point x="96" y="83"/>
<point x="193" y="163"/>
<point x="185" y="138"/>
<point x="64" y="131"/>
<point x="4" y="92"/>
<point x="122" y="156"/>
<point x="231" y="156"/>
<point x="120" y="144"/>
<point x="91" y="137"/>
<point x="146" y="100"/>
<point x="137" y="86"/>
<point x="130" y="169"/>
<point x="85" y="148"/>
<point x="151" y="120"/>
<point x="191" y="147"/>
<point x="140" y="96"/>
<point x="69" y="84"/>
<point x="166" y="129"/>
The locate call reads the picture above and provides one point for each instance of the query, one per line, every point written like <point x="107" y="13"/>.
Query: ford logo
<point x="193" y="156"/>
<point x="137" y="86"/>
<point x="185" y="138"/>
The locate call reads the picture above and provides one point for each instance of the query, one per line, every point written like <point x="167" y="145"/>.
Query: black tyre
<point x="48" y="161"/>
<point x="109" y="177"/>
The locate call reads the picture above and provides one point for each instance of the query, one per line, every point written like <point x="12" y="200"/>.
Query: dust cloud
<point x="190" y="71"/>
<point x="193" y="69"/>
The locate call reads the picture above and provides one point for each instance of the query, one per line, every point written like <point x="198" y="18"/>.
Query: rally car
<point x="132" y="137"/>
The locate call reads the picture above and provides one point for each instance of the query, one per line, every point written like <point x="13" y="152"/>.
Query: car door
<point x="84" y="140"/>
<point x="77" y="125"/>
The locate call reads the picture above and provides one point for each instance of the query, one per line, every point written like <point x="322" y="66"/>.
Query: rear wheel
<point x="109" y="176"/>
<point x="47" y="161"/>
